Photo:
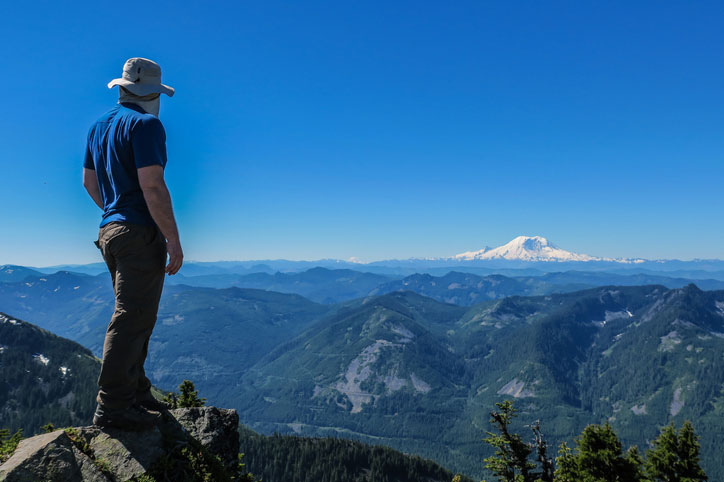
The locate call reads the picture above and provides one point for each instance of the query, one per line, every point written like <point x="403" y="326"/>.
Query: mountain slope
<point x="467" y="289"/>
<point x="43" y="378"/>
<point x="213" y="336"/>
<point x="11" y="273"/>
<point x="421" y="376"/>
<point x="458" y="288"/>
<point x="365" y="373"/>
<point x="68" y="304"/>
<point x="207" y="335"/>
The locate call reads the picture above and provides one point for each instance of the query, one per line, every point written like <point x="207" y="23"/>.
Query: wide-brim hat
<point x="142" y="77"/>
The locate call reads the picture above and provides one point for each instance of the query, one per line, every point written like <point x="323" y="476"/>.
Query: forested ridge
<point x="288" y="458"/>
<point x="43" y="378"/>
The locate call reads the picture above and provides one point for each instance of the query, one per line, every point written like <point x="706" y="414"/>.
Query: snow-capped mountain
<point x="526" y="248"/>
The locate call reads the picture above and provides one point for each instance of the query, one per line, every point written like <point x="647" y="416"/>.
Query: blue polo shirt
<point x="123" y="140"/>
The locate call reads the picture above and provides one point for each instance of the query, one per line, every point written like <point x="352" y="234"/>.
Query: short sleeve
<point x="149" y="143"/>
<point x="88" y="161"/>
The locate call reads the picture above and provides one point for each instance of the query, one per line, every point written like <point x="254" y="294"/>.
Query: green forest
<point x="307" y="459"/>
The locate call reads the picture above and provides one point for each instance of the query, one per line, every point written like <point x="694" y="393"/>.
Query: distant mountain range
<point x="524" y="255"/>
<point x="317" y="284"/>
<point x="468" y="289"/>
<point x="79" y="306"/>
<point x="420" y="374"/>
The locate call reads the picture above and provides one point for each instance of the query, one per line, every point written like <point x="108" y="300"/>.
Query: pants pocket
<point x="110" y="232"/>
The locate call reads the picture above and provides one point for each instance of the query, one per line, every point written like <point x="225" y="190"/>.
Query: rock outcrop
<point x="207" y="435"/>
<point x="216" y="429"/>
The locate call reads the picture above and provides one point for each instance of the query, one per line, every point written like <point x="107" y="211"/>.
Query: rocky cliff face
<point x="203" y="441"/>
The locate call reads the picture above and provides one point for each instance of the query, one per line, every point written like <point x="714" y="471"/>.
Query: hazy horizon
<point x="358" y="262"/>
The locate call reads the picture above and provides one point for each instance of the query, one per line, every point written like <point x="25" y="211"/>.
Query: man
<point x="123" y="173"/>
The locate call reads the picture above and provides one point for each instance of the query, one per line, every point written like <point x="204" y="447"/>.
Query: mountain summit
<point x="526" y="248"/>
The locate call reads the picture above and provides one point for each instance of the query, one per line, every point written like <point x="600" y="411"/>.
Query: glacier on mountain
<point x="526" y="248"/>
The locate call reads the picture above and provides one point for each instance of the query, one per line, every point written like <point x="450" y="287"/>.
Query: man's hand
<point x="175" y="257"/>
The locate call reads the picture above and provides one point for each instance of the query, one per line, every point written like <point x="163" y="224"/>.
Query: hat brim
<point x="142" y="89"/>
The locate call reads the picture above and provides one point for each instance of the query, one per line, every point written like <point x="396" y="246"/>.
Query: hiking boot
<point x="135" y="418"/>
<point x="149" y="402"/>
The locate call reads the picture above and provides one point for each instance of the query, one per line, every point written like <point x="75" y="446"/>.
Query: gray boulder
<point x="124" y="454"/>
<point x="48" y="457"/>
<point x="91" y="454"/>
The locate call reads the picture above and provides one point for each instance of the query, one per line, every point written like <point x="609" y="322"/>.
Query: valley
<point x="417" y="363"/>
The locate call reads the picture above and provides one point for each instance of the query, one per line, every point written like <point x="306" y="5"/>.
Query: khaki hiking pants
<point x="136" y="257"/>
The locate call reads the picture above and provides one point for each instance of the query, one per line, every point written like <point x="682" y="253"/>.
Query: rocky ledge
<point x="203" y="439"/>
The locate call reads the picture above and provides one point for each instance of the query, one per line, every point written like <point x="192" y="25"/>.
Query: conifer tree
<point x="189" y="397"/>
<point x="675" y="456"/>
<point x="510" y="462"/>
<point x="8" y="443"/>
<point x="599" y="457"/>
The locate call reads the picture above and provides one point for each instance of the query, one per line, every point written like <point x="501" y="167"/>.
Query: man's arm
<point x="158" y="200"/>
<point x="90" y="182"/>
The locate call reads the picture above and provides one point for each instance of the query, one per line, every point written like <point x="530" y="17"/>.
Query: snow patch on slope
<point x="7" y="319"/>
<point x="41" y="358"/>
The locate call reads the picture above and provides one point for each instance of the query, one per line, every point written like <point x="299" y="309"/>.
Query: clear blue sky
<point x="306" y="130"/>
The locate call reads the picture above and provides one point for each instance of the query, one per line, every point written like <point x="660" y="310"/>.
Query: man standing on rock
<point x="123" y="173"/>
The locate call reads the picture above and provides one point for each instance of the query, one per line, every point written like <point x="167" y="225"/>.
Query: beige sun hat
<point x="142" y="77"/>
